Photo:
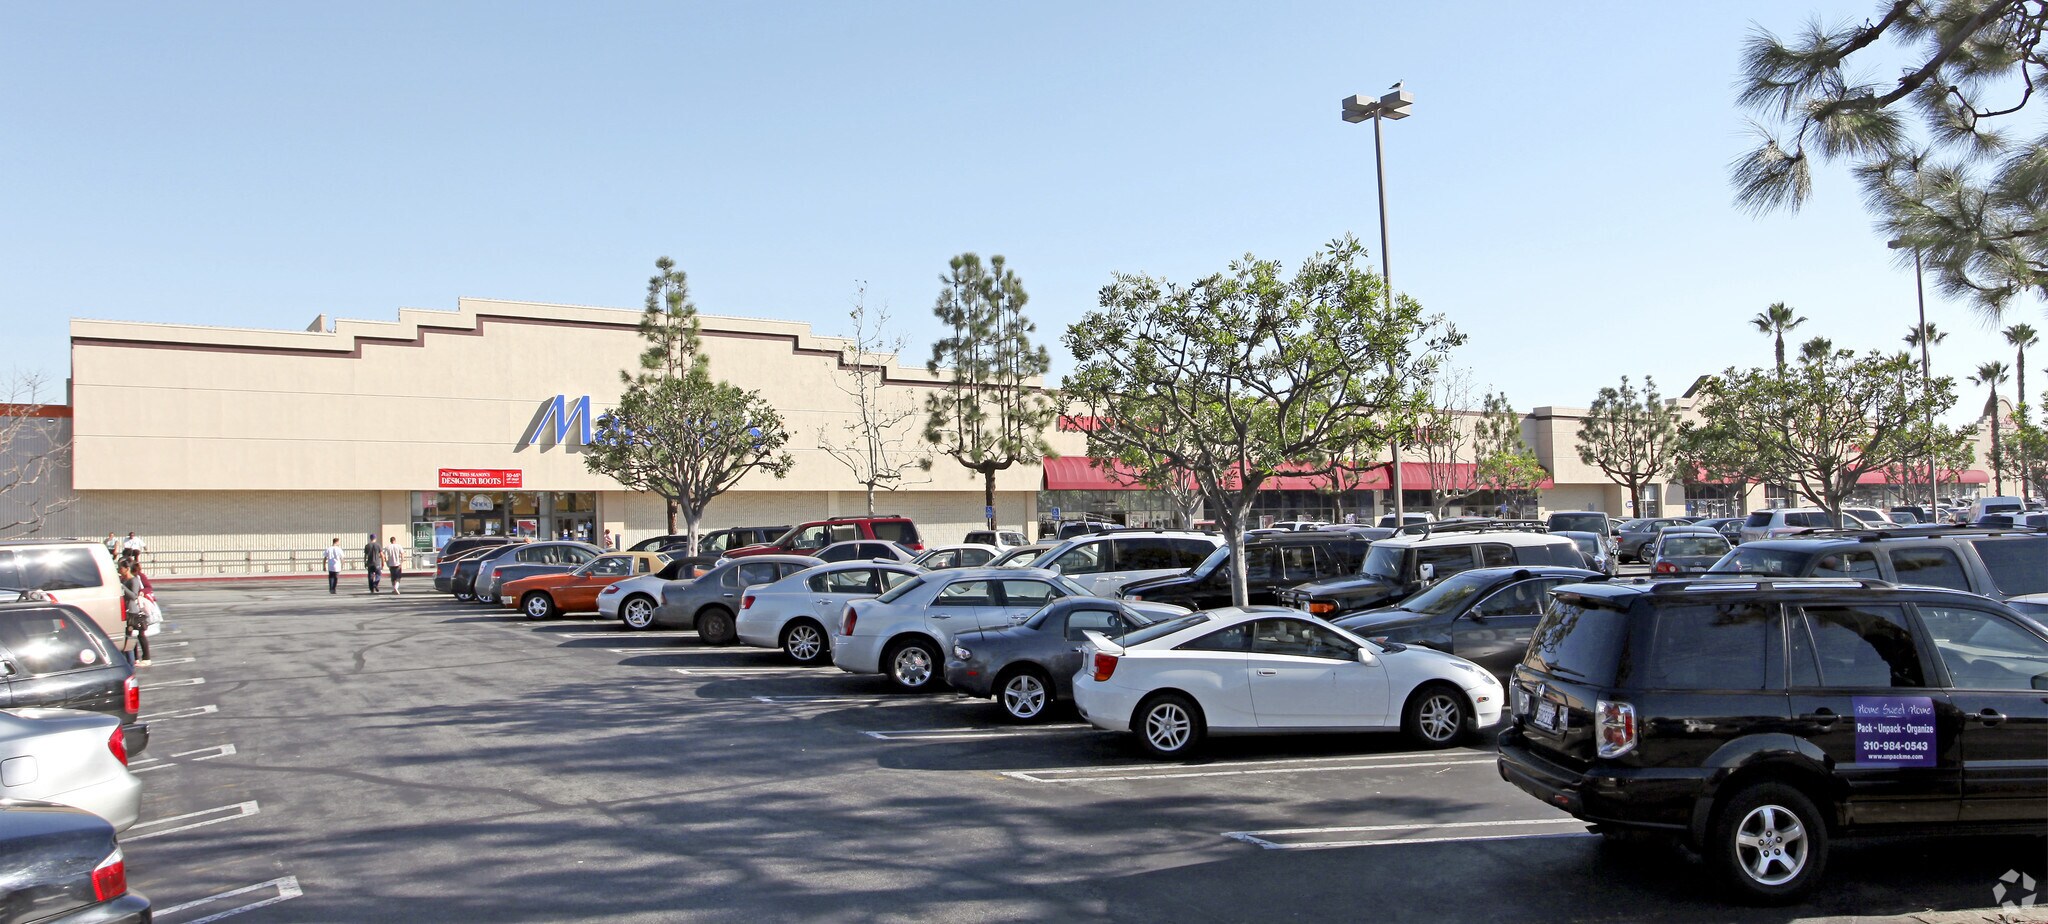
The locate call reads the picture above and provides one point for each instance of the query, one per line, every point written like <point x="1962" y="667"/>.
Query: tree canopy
<point x="989" y="416"/>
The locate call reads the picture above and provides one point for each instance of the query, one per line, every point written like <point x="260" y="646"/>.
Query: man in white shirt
<point x="334" y="566"/>
<point x="132" y="547"/>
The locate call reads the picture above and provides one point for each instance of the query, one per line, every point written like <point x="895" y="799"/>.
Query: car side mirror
<point x="1427" y="571"/>
<point x="1365" y="656"/>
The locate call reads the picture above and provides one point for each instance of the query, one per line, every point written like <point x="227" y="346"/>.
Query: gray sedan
<point x="1028" y="667"/>
<point x="69" y="757"/>
<point x="710" y="603"/>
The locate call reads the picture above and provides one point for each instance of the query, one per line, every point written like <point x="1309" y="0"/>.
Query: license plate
<point x="1549" y="716"/>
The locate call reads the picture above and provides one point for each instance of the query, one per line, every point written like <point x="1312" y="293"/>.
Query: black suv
<point x="1271" y="563"/>
<point x="1484" y="615"/>
<point x="1997" y="563"/>
<point x="1759" y="720"/>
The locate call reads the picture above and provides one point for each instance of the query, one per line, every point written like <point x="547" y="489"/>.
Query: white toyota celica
<point x="1272" y="670"/>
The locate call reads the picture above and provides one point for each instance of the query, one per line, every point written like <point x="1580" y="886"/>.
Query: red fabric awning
<point x="1968" y="476"/>
<point x="1080" y="473"/>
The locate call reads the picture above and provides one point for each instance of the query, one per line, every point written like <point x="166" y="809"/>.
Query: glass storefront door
<point x="438" y="516"/>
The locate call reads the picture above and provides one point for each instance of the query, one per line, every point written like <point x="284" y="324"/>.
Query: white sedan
<point x="633" y="600"/>
<point x="1272" y="670"/>
<point x="792" y="613"/>
<point x="69" y="757"/>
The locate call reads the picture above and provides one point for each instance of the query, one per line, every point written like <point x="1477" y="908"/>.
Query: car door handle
<point x="941" y="616"/>
<point x="1267" y="672"/>
<point x="1826" y="717"/>
<point x="1988" y="716"/>
<point x="6" y="668"/>
<point x="1075" y="650"/>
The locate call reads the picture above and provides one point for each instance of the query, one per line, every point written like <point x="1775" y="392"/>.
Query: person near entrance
<point x="373" y="561"/>
<point x="394" y="560"/>
<point x="334" y="566"/>
<point x="136" y="613"/>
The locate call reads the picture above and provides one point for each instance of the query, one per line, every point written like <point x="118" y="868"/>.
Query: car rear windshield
<point x="1583" y="522"/>
<point x="899" y="531"/>
<point x="1749" y="559"/>
<point x="1579" y="639"/>
<point x="1693" y="546"/>
<point x="896" y="592"/>
<point x="1758" y="519"/>
<point x="1162" y="629"/>
<point x="64" y="568"/>
<point x="1449" y="594"/>
<point x="2017" y="566"/>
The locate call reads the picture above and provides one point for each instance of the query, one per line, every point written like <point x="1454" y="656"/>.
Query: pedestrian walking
<point x="609" y="542"/>
<point x="373" y="561"/>
<point x="334" y="566"/>
<point x="394" y="560"/>
<point x="136" y="640"/>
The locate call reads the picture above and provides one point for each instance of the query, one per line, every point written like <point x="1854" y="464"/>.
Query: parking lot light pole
<point x="1393" y="105"/>
<point x="1926" y="378"/>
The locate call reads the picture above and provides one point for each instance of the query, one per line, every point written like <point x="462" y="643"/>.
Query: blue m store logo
<point x="568" y="418"/>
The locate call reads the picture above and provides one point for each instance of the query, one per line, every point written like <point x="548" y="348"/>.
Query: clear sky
<point x="1560" y="192"/>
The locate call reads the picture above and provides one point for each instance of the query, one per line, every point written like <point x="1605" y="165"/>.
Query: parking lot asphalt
<point x="356" y="758"/>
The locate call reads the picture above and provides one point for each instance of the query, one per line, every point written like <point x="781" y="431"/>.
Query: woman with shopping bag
<point x="136" y="606"/>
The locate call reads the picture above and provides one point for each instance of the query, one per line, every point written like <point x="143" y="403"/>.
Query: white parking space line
<point x="168" y="644"/>
<point x="287" y="889"/>
<point x="239" y="810"/>
<point x="964" y="734"/>
<point x="759" y="652"/>
<point x="181" y="713"/>
<point x="1240" y="768"/>
<point x="616" y="635"/>
<point x="187" y="682"/>
<point x="848" y="699"/>
<point x="159" y="662"/>
<point x="707" y="671"/>
<point x="146" y="764"/>
<point x="1366" y="835"/>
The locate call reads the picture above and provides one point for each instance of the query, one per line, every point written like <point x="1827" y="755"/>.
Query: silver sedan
<point x="71" y="758"/>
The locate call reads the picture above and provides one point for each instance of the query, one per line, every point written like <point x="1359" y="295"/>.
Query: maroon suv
<point x="808" y="538"/>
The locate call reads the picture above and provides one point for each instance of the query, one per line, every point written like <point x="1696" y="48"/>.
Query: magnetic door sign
<point x="483" y="478"/>
<point x="1895" y="731"/>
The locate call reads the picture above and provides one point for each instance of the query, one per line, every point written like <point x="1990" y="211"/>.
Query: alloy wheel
<point x="1771" y="845"/>
<point x="1024" y="696"/>
<point x="639" y="613"/>
<point x="913" y="666"/>
<point x="1441" y="717"/>
<point x="1168" y="726"/>
<point x="804" y="643"/>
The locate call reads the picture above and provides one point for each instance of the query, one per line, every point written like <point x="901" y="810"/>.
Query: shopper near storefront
<point x="394" y="560"/>
<point x="373" y="561"/>
<point x="334" y="566"/>
<point x="137" y="613"/>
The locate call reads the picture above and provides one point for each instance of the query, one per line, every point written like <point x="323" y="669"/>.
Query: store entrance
<point x="439" y="516"/>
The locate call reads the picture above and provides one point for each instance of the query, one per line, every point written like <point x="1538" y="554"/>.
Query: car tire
<point x="715" y="626"/>
<point x="913" y="666"/>
<point x="1169" y="726"/>
<point x="1436" y="715"/>
<point x="637" y="613"/>
<point x="538" y="605"/>
<point x="806" y="643"/>
<point x="463" y="597"/>
<point x="1025" y="694"/>
<point x="1768" y="842"/>
<point x="488" y="601"/>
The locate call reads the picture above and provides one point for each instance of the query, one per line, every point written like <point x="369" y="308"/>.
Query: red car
<point x="545" y="596"/>
<point x="808" y="538"/>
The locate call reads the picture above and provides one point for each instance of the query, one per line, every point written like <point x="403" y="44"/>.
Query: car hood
<point x="1345" y="587"/>
<point x="1165" y="580"/>
<point x="1373" y="622"/>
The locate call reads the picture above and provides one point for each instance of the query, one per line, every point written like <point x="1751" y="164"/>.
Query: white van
<point x="1984" y="505"/>
<point x="1103" y="563"/>
<point x="74" y="571"/>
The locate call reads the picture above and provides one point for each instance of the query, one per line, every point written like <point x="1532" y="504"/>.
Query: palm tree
<point x="2022" y="336"/>
<point x="1925" y="332"/>
<point x="1992" y="375"/>
<point x="1776" y="321"/>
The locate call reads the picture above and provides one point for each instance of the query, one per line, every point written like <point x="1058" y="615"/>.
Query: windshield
<point x="1748" y="559"/>
<point x="1693" y="546"/>
<point x="1383" y="562"/>
<point x="1587" y="544"/>
<point x="896" y="592"/>
<point x="1214" y="561"/>
<point x="1447" y="595"/>
<point x="1070" y="587"/>
<point x="1017" y="558"/>
<point x="1162" y="629"/>
<point x="1588" y="522"/>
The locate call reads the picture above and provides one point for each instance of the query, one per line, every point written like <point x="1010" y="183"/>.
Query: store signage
<point x="561" y="419"/>
<point x="483" y="478"/>
<point x="481" y="503"/>
<point x="1896" y="731"/>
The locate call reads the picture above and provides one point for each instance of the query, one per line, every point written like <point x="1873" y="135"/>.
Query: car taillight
<point x="747" y="602"/>
<point x="110" y="878"/>
<point x="1320" y="607"/>
<point x="118" y="743"/>
<point x="1616" y="725"/>
<point x="609" y="589"/>
<point x="1665" y="567"/>
<point x="1105" y="665"/>
<point x="846" y="625"/>
<point x="1135" y="598"/>
<point x="131" y="695"/>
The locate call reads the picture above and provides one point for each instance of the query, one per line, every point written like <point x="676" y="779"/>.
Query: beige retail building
<point x="239" y="450"/>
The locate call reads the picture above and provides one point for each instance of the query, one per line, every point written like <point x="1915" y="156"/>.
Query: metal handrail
<point x="207" y="562"/>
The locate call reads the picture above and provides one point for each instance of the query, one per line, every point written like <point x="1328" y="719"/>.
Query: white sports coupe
<point x="1272" y="670"/>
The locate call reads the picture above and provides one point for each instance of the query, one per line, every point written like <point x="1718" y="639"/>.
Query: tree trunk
<point x="988" y="493"/>
<point x="672" y="508"/>
<point x="690" y="520"/>
<point x="1394" y="483"/>
<point x="871" y="500"/>
<point x="1997" y="458"/>
<point x="1232" y="522"/>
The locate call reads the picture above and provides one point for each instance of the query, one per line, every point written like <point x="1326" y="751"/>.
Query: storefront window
<point x="439" y="516"/>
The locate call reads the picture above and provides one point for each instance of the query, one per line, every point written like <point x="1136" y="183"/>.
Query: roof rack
<point x="1909" y="532"/>
<point x="860" y="516"/>
<point x="1471" y="525"/>
<point x="1761" y="583"/>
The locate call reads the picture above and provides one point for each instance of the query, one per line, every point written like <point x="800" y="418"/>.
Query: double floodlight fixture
<point x="1394" y="105"/>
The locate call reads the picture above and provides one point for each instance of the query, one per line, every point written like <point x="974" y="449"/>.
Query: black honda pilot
<point x="1759" y="719"/>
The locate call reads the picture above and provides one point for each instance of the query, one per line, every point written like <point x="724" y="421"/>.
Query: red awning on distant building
<point x="1969" y="476"/>
<point x="1079" y="473"/>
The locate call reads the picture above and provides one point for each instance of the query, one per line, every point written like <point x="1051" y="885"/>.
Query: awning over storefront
<point x="1968" y="476"/>
<point x="1079" y="473"/>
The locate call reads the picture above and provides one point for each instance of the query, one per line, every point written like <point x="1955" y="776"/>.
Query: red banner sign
<point x="483" y="478"/>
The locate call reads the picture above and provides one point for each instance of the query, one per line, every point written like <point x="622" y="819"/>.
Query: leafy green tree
<point x="1242" y="375"/>
<point x="1502" y="460"/>
<point x="2020" y="337"/>
<point x="988" y="416"/>
<point x="1777" y="320"/>
<point x="1961" y="191"/>
<point x="1630" y="436"/>
<point x="677" y="432"/>
<point x="1832" y="418"/>
<point x="1991" y="375"/>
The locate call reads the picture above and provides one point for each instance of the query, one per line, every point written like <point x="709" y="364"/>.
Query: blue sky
<point x="1561" y="192"/>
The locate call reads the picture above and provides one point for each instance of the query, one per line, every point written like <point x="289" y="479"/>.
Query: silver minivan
<point x="1103" y="563"/>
